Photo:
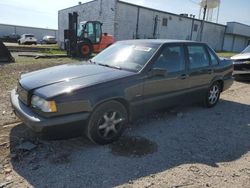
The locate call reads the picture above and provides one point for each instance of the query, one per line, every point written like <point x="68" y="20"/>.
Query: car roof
<point x="49" y="36"/>
<point x="159" y="41"/>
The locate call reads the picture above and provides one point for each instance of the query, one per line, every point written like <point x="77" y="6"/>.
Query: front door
<point x="161" y="91"/>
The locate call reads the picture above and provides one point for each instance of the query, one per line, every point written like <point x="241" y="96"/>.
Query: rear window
<point x="214" y="60"/>
<point x="197" y="56"/>
<point x="29" y="36"/>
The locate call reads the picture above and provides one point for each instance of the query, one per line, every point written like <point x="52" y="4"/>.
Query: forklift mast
<point x="70" y="35"/>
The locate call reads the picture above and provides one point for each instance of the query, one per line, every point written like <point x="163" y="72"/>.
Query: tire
<point x="85" y="49"/>
<point x="213" y="95"/>
<point x="107" y="123"/>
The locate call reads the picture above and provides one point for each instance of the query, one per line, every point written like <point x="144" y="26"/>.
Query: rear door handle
<point x="183" y="76"/>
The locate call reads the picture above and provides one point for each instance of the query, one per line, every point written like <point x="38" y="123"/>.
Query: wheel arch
<point x="220" y="81"/>
<point x="121" y="100"/>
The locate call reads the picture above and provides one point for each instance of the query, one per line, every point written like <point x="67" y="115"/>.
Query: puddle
<point x="133" y="146"/>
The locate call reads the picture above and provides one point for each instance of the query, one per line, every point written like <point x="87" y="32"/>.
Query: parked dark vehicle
<point x="129" y="78"/>
<point x="242" y="64"/>
<point x="11" y="38"/>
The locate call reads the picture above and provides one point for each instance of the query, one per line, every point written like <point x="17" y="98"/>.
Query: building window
<point x="195" y="27"/>
<point x="164" y="22"/>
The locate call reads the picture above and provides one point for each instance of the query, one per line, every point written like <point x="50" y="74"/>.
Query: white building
<point x="128" y="21"/>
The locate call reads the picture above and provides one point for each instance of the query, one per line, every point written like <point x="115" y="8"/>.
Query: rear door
<point x="200" y="70"/>
<point x="162" y="91"/>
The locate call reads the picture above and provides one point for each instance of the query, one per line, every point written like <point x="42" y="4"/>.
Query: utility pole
<point x="192" y="27"/>
<point x="203" y="20"/>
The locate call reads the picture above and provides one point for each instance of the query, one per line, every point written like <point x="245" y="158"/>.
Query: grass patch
<point x="53" y="51"/>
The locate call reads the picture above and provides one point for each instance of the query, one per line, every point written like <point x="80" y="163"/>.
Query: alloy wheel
<point x="213" y="94"/>
<point x="110" y="124"/>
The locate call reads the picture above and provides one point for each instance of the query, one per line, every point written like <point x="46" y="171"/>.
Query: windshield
<point x="80" y="28"/>
<point x="127" y="56"/>
<point x="247" y="50"/>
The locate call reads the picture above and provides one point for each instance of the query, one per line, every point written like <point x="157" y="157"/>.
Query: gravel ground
<point x="183" y="147"/>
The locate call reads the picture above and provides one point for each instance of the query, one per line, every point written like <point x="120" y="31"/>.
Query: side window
<point x="171" y="59"/>
<point x="197" y="56"/>
<point x="90" y="31"/>
<point x="98" y="32"/>
<point x="90" y="28"/>
<point x="214" y="60"/>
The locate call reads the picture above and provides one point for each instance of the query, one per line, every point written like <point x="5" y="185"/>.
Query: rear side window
<point x="214" y="60"/>
<point x="171" y="59"/>
<point x="197" y="56"/>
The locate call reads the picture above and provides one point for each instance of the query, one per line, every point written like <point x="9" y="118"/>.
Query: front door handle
<point x="183" y="76"/>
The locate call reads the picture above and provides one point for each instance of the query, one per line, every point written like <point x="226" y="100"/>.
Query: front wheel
<point x="107" y="123"/>
<point x="213" y="95"/>
<point x="85" y="49"/>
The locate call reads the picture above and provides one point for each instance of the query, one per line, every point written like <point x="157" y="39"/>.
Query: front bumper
<point x="242" y="68"/>
<point x="40" y="124"/>
<point x="242" y="71"/>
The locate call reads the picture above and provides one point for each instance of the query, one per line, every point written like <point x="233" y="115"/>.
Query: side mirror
<point x="158" y="72"/>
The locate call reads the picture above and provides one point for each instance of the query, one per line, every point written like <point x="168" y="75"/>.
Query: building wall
<point x="19" y="30"/>
<point x="178" y="27"/>
<point x="128" y="21"/>
<point x="238" y="29"/>
<point x="228" y="43"/>
<point x="235" y="43"/>
<point x="125" y="22"/>
<point x="97" y="10"/>
<point x="213" y="34"/>
<point x="239" y="44"/>
<point x="174" y="23"/>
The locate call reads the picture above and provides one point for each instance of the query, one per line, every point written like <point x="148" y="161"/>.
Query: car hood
<point x="242" y="56"/>
<point x="70" y="75"/>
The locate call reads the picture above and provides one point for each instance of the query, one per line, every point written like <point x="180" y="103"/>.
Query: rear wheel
<point x="213" y="95"/>
<point x="85" y="49"/>
<point x="107" y="123"/>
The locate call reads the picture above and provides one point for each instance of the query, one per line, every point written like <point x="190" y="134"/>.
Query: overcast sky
<point x="43" y="13"/>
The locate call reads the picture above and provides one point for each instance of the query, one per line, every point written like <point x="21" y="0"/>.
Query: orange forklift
<point x="81" y="40"/>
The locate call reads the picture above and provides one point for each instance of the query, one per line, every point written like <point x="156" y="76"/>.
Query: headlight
<point x="42" y="104"/>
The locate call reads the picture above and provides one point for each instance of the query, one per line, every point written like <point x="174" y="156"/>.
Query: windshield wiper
<point x="110" y="66"/>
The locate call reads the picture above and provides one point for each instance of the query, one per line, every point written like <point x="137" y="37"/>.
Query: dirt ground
<point x="183" y="147"/>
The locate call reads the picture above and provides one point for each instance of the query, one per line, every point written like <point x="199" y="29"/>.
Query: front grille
<point x="22" y="94"/>
<point x="244" y="67"/>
